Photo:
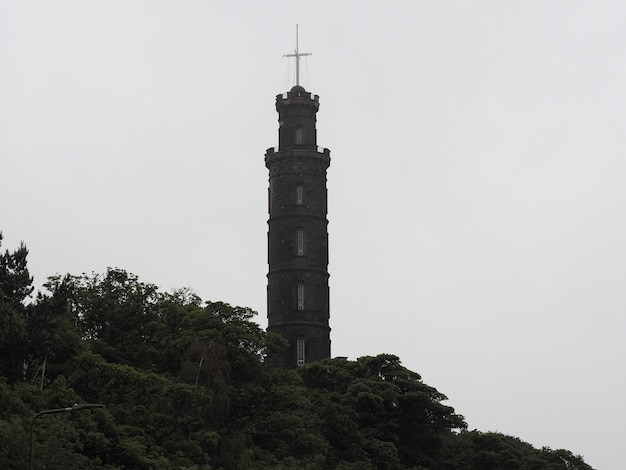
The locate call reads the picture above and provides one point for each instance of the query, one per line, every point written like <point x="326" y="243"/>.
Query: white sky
<point x="476" y="190"/>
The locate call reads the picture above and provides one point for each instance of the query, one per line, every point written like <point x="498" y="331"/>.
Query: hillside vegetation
<point x="187" y="385"/>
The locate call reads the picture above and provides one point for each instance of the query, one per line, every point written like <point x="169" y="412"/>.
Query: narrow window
<point x="299" y="195"/>
<point x="299" y="136"/>
<point x="300" y="296"/>
<point x="300" y="242"/>
<point x="300" y="352"/>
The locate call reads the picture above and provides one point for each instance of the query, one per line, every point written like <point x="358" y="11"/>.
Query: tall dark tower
<point x="297" y="281"/>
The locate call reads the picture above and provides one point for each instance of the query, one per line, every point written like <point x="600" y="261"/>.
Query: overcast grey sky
<point x="476" y="189"/>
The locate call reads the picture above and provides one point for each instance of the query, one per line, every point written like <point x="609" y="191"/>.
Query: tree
<point x="15" y="287"/>
<point x="475" y="450"/>
<point x="52" y="333"/>
<point x="158" y="422"/>
<point x="15" y="280"/>
<point x="384" y="413"/>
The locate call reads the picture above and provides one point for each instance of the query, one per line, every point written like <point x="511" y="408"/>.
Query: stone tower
<point x="297" y="280"/>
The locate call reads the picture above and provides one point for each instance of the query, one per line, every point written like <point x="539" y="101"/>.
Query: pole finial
<point x="297" y="54"/>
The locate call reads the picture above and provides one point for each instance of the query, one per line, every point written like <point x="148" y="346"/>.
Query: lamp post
<point x="69" y="409"/>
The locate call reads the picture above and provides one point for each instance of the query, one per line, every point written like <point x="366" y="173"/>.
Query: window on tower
<point x="300" y="296"/>
<point x="299" y="195"/>
<point x="300" y="241"/>
<point x="299" y="136"/>
<point x="300" y="352"/>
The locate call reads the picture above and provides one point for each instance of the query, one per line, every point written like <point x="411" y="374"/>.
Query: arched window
<point x="300" y="242"/>
<point x="299" y="136"/>
<point x="299" y="195"/>
<point x="300" y="352"/>
<point x="300" y="292"/>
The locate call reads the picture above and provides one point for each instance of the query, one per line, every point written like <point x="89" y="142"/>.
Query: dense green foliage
<point x="186" y="386"/>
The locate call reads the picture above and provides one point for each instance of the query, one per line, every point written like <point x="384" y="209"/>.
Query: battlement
<point x="272" y="150"/>
<point x="297" y="95"/>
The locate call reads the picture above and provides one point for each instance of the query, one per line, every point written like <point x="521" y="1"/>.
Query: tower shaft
<point x="297" y="280"/>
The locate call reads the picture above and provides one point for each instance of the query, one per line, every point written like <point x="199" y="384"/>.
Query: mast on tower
<point x="297" y="54"/>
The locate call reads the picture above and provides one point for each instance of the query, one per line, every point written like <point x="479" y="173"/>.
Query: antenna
<point x="297" y="54"/>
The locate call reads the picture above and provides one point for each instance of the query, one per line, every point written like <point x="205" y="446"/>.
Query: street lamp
<point x="69" y="409"/>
